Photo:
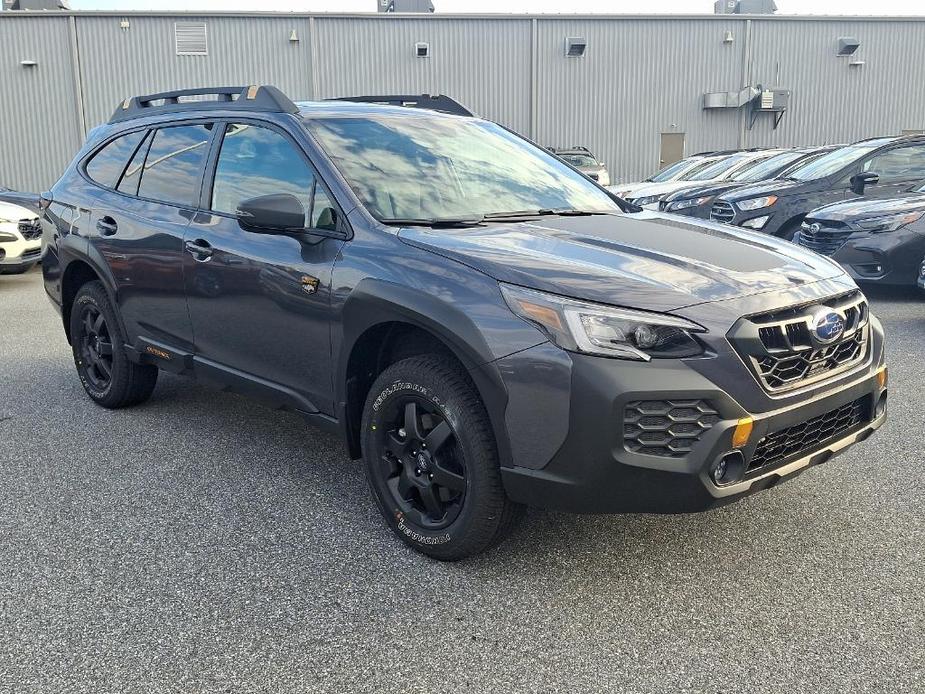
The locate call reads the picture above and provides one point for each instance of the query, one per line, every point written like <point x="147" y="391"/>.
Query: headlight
<point x="685" y="204"/>
<point x="757" y="203"/>
<point x="646" y="200"/>
<point x="579" y="326"/>
<point x="889" y="223"/>
<point x="6" y="236"/>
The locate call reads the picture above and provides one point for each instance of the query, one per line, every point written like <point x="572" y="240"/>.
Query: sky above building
<point x="802" y="7"/>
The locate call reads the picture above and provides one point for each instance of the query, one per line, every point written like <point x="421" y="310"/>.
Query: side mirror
<point x="861" y="180"/>
<point x="276" y="212"/>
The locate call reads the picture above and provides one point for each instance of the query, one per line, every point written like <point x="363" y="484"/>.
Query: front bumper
<point x="593" y="471"/>
<point x="20" y="252"/>
<point x="888" y="258"/>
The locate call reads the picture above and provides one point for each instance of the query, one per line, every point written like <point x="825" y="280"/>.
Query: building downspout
<point x="746" y="79"/>
<point x="78" y="82"/>
<point x="534" y="96"/>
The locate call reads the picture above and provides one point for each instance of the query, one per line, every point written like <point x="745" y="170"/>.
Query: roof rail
<point x="431" y="102"/>
<point x="248" y="98"/>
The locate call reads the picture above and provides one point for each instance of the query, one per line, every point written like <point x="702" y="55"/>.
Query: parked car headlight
<point x="757" y="203"/>
<point x="685" y="204"/>
<point x="646" y="200"/>
<point x="579" y="326"/>
<point x="889" y="223"/>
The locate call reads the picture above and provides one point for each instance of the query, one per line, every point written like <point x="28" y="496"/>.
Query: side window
<point x="129" y="182"/>
<point x="258" y="161"/>
<point x="899" y="164"/>
<point x="106" y="165"/>
<point x="324" y="214"/>
<point x="173" y="168"/>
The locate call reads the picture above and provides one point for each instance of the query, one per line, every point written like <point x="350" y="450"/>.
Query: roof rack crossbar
<point x="247" y="98"/>
<point x="431" y="102"/>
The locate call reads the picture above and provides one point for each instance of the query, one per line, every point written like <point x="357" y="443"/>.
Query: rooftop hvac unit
<point x="405" y="6"/>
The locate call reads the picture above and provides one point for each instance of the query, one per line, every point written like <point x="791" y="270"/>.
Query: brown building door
<point x="672" y="149"/>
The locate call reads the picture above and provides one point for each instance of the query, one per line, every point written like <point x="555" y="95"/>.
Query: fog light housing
<point x="728" y="469"/>
<point x="881" y="407"/>
<point x="756" y="222"/>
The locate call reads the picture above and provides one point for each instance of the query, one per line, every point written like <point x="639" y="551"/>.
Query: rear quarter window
<point x="107" y="164"/>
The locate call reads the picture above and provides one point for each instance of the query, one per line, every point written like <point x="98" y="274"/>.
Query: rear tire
<point x="109" y="377"/>
<point x="432" y="462"/>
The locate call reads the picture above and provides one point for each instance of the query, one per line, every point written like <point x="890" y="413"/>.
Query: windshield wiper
<point x="435" y="222"/>
<point x="520" y="215"/>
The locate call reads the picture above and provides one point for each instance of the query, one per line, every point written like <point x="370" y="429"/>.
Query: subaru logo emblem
<point x="826" y="326"/>
<point x="814" y="227"/>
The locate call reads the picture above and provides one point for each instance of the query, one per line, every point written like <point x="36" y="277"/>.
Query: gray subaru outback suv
<point x="481" y="324"/>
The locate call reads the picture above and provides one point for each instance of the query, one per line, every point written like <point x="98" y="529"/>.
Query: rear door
<point x="260" y="302"/>
<point x="140" y="214"/>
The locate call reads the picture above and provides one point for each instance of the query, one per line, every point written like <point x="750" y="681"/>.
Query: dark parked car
<point x="874" y="240"/>
<point x="696" y="200"/>
<point x="582" y="159"/>
<point x="480" y="323"/>
<point x="877" y="168"/>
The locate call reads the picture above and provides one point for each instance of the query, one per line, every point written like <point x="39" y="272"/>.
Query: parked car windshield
<point x="765" y="168"/>
<point x="669" y="173"/>
<point x="717" y="169"/>
<point x="579" y="160"/>
<point x="834" y="161"/>
<point x="427" y="167"/>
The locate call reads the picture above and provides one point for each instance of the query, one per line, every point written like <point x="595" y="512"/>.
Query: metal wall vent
<point x="422" y="49"/>
<point x="575" y="47"/>
<point x="190" y="38"/>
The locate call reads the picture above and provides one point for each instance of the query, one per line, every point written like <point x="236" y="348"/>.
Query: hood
<point x="696" y="190"/>
<point x="862" y="208"/>
<point x="779" y="187"/>
<point x="15" y="212"/>
<point x="643" y="260"/>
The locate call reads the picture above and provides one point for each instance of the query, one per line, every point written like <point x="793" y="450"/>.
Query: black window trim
<point x="344" y="229"/>
<point x="82" y="168"/>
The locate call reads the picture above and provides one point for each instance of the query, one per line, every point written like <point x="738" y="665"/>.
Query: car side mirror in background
<point x="276" y="212"/>
<point x="865" y="178"/>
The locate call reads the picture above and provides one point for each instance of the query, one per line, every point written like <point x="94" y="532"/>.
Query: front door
<point x="900" y="170"/>
<point x="260" y="302"/>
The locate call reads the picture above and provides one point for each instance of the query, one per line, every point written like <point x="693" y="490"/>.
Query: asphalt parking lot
<point x="202" y="543"/>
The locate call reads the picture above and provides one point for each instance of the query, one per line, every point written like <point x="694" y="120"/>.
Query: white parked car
<point x="20" y="239"/>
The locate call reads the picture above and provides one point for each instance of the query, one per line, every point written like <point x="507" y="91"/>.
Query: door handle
<point x="200" y="249"/>
<point x="107" y="226"/>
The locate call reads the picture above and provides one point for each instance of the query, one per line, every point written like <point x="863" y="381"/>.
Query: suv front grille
<point x="802" y="439"/>
<point x="823" y="239"/>
<point x="30" y="229"/>
<point x="783" y="353"/>
<point x="722" y="212"/>
<point x="667" y="428"/>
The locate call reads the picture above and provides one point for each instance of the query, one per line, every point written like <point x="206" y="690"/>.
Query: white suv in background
<point x="20" y="239"/>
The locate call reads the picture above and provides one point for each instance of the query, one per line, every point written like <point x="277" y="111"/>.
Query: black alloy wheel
<point x="421" y="464"/>
<point x="95" y="347"/>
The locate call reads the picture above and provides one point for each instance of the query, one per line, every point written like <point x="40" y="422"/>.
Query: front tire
<point x="431" y="460"/>
<point x="109" y="377"/>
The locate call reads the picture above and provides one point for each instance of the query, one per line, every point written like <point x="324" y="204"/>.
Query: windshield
<point x="717" y="168"/>
<point x="765" y="168"/>
<point x="425" y="167"/>
<point x="670" y="173"/>
<point x="579" y="160"/>
<point x="833" y="162"/>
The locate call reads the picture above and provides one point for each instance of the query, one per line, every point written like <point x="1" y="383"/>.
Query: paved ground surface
<point x="201" y="543"/>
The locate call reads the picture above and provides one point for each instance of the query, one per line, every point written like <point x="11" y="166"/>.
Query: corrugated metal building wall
<point x="640" y="77"/>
